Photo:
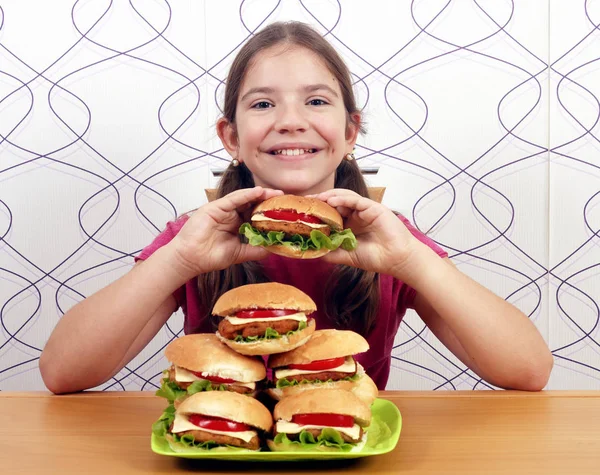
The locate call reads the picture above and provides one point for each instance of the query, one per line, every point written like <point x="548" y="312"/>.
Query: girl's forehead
<point x="282" y="63"/>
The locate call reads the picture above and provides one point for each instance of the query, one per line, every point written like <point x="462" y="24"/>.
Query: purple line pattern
<point x="482" y="116"/>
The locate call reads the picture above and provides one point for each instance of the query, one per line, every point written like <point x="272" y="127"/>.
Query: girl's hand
<point x="209" y="240"/>
<point x="384" y="243"/>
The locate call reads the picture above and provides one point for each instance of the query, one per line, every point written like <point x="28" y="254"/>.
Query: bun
<point x="271" y="295"/>
<point x="272" y="346"/>
<point x="302" y="204"/>
<point x="323" y="345"/>
<point x="364" y="388"/>
<point x="229" y="405"/>
<point x="287" y="251"/>
<point x="324" y="401"/>
<point x="206" y="353"/>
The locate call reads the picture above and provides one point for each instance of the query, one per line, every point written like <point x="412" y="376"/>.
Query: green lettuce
<point x="282" y="383"/>
<point x="317" y="240"/>
<point x="270" y="334"/>
<point x="161" y="426"/>
<point x="329" y="438"/>
<point x="172" y="392"/>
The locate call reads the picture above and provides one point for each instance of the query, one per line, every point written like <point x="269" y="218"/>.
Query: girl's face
<point x="291" y="123"/>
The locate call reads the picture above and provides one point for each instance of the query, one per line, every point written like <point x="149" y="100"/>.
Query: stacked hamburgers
<point x="201" y="362"/>
<point x="263" y="319"/>
<point x="324" y="362"/>
<point x="297" y="227"/>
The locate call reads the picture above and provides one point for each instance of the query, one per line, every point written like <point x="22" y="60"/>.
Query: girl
<point x="290" y="124"/>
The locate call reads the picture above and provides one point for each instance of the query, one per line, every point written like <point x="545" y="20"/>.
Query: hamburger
<point x="324" y="362"/>
<point x="263" y="319"/>
<point x="297" y="227"/>
<point x="212" y="420"/>
<point x="321" y="420"/>
<point x="201" y="362"/>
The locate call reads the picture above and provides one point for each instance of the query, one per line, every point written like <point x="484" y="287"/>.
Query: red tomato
<point x="320" y="364"/>
<point x="214" y="379"/>
<point x="289" y="215"/>
<point x="333" y="420"/>
<point x="264" y="313"/>
<point x="217" y="423"/>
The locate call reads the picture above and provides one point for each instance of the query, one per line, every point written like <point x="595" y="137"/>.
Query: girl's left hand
<point x="384" y="242"/>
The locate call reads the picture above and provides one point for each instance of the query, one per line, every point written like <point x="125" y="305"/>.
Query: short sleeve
<point x="410" y="294"/>
<point x="165" y="237"/>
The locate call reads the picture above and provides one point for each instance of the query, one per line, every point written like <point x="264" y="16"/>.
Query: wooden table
<point x="443" y="432"/>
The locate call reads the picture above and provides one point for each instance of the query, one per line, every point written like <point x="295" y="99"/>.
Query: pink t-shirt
<point x="309" y="276"/>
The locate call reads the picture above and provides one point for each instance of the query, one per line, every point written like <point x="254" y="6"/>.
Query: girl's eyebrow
<point x="270" y="90"/>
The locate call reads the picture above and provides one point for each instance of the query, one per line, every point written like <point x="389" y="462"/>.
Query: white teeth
<point x="296" y="151"/>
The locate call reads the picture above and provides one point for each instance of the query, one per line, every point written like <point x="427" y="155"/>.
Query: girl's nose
<point x="290" y="119"/>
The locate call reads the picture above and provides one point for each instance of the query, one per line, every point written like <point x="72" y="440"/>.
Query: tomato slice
<point x="333" y="420"/>
<point x="320" y="364"/>
<point x="289" y="215"/>
<point x="217" y="423"/>
<point x="264" y="313"/>
<point x="214" y="379"/>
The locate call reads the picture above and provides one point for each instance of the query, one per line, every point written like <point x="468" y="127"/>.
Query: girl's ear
<point x="353" y="129"/>
<point x="228" y="136"/>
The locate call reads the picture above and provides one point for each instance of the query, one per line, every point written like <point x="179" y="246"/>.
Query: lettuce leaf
<point x="270" y="334"/>
<point x="161" y="426"/>
<point x="317" y="240"/>
<point x="282" y="383"/>
<point x="329" y="438"/>
<point x="172" y="392"/>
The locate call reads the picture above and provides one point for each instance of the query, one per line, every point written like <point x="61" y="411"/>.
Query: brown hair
<point x="351" y="295"/>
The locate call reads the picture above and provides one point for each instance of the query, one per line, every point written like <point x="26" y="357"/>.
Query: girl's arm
<point x="489" y="335"/>
<point x="101" y="334"/>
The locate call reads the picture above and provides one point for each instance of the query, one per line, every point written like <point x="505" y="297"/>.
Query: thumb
<point x="339" y="256"/>
<point x="251" y="253"/>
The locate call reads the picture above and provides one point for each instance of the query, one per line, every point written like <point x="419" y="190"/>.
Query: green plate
<point x="379" y="441"/>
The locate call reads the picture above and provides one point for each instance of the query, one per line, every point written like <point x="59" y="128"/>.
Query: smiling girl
<point x="290" y="124"/>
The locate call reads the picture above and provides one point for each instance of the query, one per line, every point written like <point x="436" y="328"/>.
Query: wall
<point x="483" y="123"/>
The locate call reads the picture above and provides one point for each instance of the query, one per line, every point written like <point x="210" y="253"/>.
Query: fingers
<point x="242" y="199"/>
<point x="251" y="253"/>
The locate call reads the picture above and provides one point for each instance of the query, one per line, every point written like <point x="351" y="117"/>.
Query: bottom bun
<point x="272" y="346"/>
<point x="182" y="448"/>
<point x="364" y="388"/>
<point x="320" y="448"/>
<point x="287" y="251"/>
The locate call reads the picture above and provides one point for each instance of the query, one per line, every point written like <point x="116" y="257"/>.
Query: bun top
<point x="323" y="345"/>
<point x="206" y="353"/>
<point x="229" y="405"/>
<point x="302" y="204"/>
<point x="269" y="295"/>
<point x="323" y="401"/>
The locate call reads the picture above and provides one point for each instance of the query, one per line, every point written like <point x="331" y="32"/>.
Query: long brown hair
<point x="351" y="295"/>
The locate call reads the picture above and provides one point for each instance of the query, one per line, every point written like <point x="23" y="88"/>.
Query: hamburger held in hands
<point x="215" y="420"/>
<point x="200" y="362"/>
<point x="321" y="420"/>
<point x="263" y="319"/>
<point x="324" y="362"/>
<point x="298" y="227"/>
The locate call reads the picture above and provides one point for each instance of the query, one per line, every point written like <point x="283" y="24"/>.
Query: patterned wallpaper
<point x="483" y="125"/>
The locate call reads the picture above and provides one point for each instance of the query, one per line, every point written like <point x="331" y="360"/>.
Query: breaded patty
<point x="203" y="436"/>
<point x="230" y="331"/>
<point x="288" y="228"/>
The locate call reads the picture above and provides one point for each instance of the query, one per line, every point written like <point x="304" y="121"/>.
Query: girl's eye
<point x="262" y="105"/>
<point x="317" y="102"/>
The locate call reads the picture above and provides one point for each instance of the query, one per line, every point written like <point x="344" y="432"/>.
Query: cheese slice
<point x="184" y="376"/>
<point x="300" y="317"/>
<point x="262" y="217"/>
<point x="182" y="424"/>
<point x="292" y="428"/>
<point x="348" y="367"/>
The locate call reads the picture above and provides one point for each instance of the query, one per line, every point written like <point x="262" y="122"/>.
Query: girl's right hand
<point x="209" y="240"/>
